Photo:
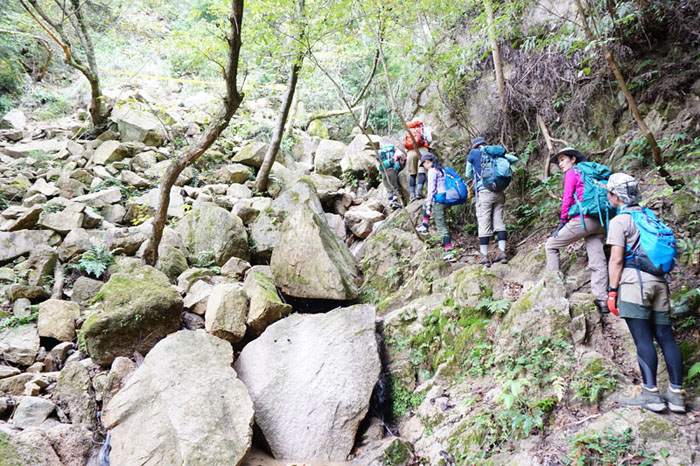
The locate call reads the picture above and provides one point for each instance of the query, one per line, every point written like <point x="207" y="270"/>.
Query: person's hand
<point x="612" y="302"/>
<point x="556" y="232"/>
<point x="428" y="209"/>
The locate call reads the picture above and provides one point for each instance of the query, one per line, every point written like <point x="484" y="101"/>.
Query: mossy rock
<point x="172" y="262"/>
<point x="30" y="448"/>
<point x="266" y="306"/>
<point x="138" y="309"/>
<point x="387" y="264"/>
<point x="469" y="285"/>
<point x="210" y="229"/>
<point x="317" y="128"/>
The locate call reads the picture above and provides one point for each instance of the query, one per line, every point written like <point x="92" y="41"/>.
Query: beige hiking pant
<point x="489" y="212"/>
<point x="413" y="160"/>
<point x="594" y="235"/>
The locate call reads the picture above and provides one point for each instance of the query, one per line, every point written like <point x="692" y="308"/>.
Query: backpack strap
<point x="580" y="206"/>
<point x="630" y="260"/>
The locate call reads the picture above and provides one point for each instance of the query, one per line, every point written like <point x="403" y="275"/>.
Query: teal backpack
<point x="595" y="197"/>
<point x="386" y="155"/>
<point x="495" y="168"/>
<point x="456" y="191"/>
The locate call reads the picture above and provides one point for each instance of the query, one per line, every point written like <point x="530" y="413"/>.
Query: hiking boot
<point x="648" y="399"/>
<point x="502" y="258"/>
<point x="484" y="260"/>
<point x="602" y="306"/>
<point x="675" y="400"/>
<point x="450" y="257"/>
<point x="413" y="197"/>
<point x="423" y="230"/>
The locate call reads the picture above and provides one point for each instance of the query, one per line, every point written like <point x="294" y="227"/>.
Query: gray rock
<point x="300" y="193"/>
<point x="30" y="292"/>
<point x="32" y="411"/>
<point x="110" y="151"/>
<point x="20" y="307"/>
<point x="70" y="188"/>
<point x="57" y="319"/>
<point x="41" y="186"/>
<point x="138" y="125"/>
<point x="65" y="221"/>
<point x="235" y="268"/>
<point x="74" y="391"/>
<point x="252" y="154"/>
<point x="329" y="153"/>
<point x="47" y="147"/>
<point x="144" y="160"/>
<point x="73" y="444"/>
<point x="333" y="272"/>
<point x="152" y="197"/>
<point x="239" y="191"/>
<point x="114" y="213"/>
<point x="192" y="321"/>
<point x="264" y="236"/>
<point x="208" y="228"/>
<point x="198" y="296"/>
<point x="57" y="356"/>
<point x="30" y="447"/>
<point x="122" y="369"/>
<point x="139" y="308"/>
<point x="227" y="308"/>
<point x="8" y="371"/>
<point x="14" y="119"/>
<point x="311" y="378"/>
<point x="196" y="410"/>
<point x="233" y="173"/>
<point x="25" y="221"/>
<point x="266" y="307"/>
<point x="190" y="276"/>
<point x="132" y="179"/>
<point x="15" y="385"/>
<point x="171" y="261"/>
<point x="100" y="199"/>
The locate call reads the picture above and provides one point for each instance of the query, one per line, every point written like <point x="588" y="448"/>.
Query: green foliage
<point x="593" y="382"/>
<point x="402" y="400"/>
<point x="398" y="453"/>
<point x="205" y="260"/>
<point x="95" y="261"/>
<point x="15" y="321"/>
<point x="609" y="448"/>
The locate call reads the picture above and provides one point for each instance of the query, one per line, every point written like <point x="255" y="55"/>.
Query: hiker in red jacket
<point x="589" y="228"/>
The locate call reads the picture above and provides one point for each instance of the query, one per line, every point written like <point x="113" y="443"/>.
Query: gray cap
<point x="476" y="142"/>
<point x="426" y="156"/>
<point x="625" y="187"/>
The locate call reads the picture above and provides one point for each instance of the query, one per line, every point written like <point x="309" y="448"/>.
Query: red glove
<point x="612" y="302"/>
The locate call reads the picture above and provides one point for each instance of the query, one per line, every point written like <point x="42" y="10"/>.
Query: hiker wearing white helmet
<point x="642" y="251"/>
<point x="577" y="221"/>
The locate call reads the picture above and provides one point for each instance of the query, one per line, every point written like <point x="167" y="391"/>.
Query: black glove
<point x="561" y="225"/>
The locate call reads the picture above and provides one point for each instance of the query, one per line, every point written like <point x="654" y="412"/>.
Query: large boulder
<point x="18" y="243"/>
<point x="30" y="447"/>
<point x="136" y="124"/>
<point x="360" y="158"/>
<point x="208" y="228"/>
<point x="311" y="377"/>
<point x="329" y="153"/>
<point x="301" y="192"/>
<point x="310" y="261"/>
<point x="266" y="306"/>
<point x="139" y="308"/>
<point x="184" y="405"/>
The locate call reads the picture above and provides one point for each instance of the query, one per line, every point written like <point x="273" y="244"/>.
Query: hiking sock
<point x="484" y="245"/>
<point x="501" y="236"/>
<point x="447" y="242"/>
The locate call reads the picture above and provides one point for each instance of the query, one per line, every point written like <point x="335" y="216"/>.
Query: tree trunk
<point x="55" y="30"/>
<point x="271" y="155"/>
<point x="497" y="62"/>
<point x="655" y="149"/>
<point x="229" y="106"/>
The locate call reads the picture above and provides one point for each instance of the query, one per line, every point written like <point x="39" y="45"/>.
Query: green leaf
<point x="694" y="370"/>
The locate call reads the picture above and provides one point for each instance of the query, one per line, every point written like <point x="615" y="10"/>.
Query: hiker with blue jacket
<point x="490" y="196"/>
<point x="574" y="226"/>
<point x="638" y="291"/>
<point x="389" y="166"/>
<point x="436" y="186"/>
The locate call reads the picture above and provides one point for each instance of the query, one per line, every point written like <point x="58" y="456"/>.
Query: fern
<point x="95" y="261"/>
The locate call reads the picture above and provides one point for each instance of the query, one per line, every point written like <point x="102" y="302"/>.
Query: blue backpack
<point x="655" y="250"/>
<point x="456" y="191"/>
<point x="495" y="168"/>
<point x="595" y="197"/>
